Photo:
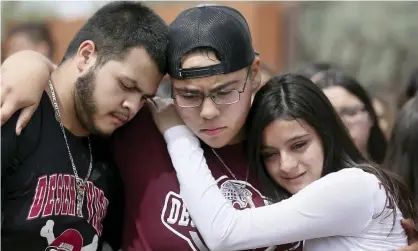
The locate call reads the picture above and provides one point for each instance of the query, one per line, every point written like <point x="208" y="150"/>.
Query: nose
<point x="209" y="109"/>
<point x="288" y="162"/>
<point x="133" y="104"/>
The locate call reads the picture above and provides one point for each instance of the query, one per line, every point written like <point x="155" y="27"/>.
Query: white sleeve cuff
<point x="179" y="132"/>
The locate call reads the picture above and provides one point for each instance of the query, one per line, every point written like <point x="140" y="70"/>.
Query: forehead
<point x="139" y="66"/>
<point x="340" y="97"/>
<point x="282" y="130"/>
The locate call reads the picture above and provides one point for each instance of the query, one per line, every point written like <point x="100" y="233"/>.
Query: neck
<point x="63" y="80"/>
<point x="363" y="151"/>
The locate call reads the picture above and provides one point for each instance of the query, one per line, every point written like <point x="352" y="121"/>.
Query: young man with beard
<point x="214" y="73"/>
<point x="58" y="182"/>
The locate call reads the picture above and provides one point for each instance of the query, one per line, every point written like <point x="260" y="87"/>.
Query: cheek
<point x="107" y="96"/>
<point x="360" y="130"/>
<point x="190" y="116"/>
<point x="236" y="114"/>
<point x="272" y="168"/>
<point x="314" y="159"/>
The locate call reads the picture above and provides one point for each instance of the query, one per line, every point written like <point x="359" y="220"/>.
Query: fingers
<point x="24" y="118"/>
<point x="6" y="111"/>
<point x="411" y="230"/>
<point x="5" y="90"/>
<point x="407" y="223"/>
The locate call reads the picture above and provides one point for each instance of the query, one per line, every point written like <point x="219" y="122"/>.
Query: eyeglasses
<point x="219" y="97"/>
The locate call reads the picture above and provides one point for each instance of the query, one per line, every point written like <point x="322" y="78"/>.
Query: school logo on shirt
<point x="176" y="218"/>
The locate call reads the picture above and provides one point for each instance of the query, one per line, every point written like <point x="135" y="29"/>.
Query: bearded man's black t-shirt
<point x="38" y="187"/>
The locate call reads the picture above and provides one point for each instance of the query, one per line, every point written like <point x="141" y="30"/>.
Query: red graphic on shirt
<point x="69" y="240"/>
<point x="55" y="196"/>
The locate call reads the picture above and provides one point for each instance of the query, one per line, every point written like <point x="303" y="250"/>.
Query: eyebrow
<point x="263" y="147"/>
<point x="297" y="137"/>
<point x="221" y="86"/>
<point x="217" y="88"/>
<point x="137" y="86"/>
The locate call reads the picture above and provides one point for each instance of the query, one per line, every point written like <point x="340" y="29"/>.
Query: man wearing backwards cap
<point x="214" y="73"/>
<point x="213" y="68"/>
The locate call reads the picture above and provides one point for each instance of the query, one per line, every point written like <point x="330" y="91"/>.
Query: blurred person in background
<point x="353" y="104"/>
<point x="380" y="109"/>
<point x="29" y="36"/>
<point x="402" y="153"/>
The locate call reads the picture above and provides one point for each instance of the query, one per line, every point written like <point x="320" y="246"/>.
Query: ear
<point x="86" y="56"/>
<point x="255" y="74"/>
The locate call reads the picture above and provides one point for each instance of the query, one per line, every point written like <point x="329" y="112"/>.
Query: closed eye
<point x="299" y="145"/>
<point x="268" y="155"/>
<point x="223" y="92"/>
<point x="126" y="87"/>
<point x="189" y="95"/>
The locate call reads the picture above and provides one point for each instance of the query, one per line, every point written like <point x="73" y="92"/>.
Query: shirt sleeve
<point x="340" y="203"/>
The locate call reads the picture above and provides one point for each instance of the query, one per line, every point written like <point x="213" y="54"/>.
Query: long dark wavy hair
<point x="290" y="96"/>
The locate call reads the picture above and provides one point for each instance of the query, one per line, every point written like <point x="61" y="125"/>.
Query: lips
<point x="213" y="131"/>
<point x="294" y="177"/>
<point x="120" y="117"/>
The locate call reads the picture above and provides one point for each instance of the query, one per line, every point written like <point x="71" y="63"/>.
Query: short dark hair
<point x="37" y="33"/>
<point x="290" y="96"/>
<point x="119" y="26"/>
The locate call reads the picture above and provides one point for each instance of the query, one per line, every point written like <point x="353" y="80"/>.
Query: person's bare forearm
<point x="48" y="62"/>
<point x="24" y="77"/>
<point x="27" y="55"/>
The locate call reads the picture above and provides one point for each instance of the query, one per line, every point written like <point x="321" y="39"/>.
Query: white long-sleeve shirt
<point x="345" y="210"/>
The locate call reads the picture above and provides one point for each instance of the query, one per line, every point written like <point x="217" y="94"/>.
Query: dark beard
<point x="84" y="104"/>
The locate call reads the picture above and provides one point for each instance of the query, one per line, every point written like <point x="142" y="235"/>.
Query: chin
<point x="103" y="132"/>
<point x="215" y="142"/>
